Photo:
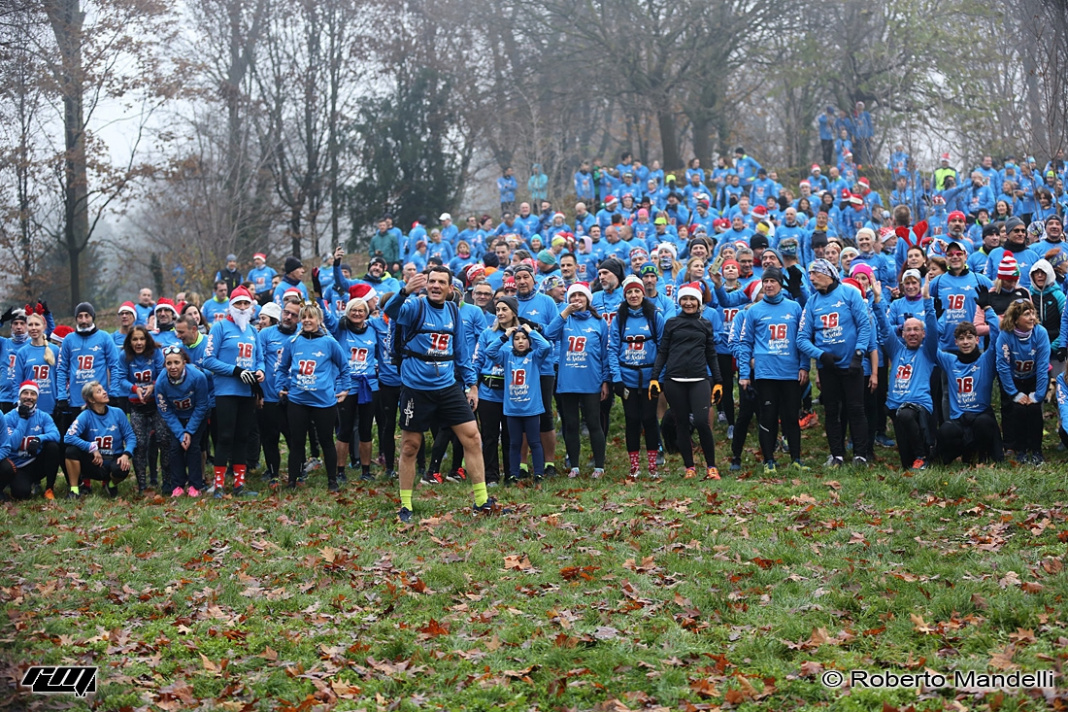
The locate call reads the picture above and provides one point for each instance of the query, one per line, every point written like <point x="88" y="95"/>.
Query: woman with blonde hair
<point x="314" y="376"/>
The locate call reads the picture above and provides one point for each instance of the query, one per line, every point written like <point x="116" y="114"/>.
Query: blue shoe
<point x="883" y="441"/>
<point x="489" y="508"/>
<point x="730" y="432"/>
<point x="404" y="515"/>
<point x="769" y="467"/>
<point x="736" y="465"/>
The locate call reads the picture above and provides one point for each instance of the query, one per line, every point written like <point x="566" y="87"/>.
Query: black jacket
<point x="687" y="346"/>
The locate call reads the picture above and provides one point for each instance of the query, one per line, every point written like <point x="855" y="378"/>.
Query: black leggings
<point x="388" y="405"/>
<point x="234" y="415"/>
<point x="639" y="413"/>
<point x="778" y="400"/>
<point x="494" y="429"/>
<point x="912" y="428"/>
<point x="726" y="370"/>
<point x="548" y="388"/>
<point x="591" y="412"/>
<point x="352" y="415"/>
<point x="843" y="391"/>
<point x="748" y="407"/>
<point x="21" y="481"/>
<point x="971" y="435"/>
<point x="686" y="399"/>
<point x="302" y="420"/>
<point x="274" y="422"/>
<point x="1023" y="424"/>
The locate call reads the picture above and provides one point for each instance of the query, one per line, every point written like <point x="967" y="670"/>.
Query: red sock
<point x="635" y="461"/>
<point x="220" y="477"/>
<point x="651" y="456"/>
<point x="239" y="475"/>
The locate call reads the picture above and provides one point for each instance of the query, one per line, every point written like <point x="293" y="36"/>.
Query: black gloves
<point x="245" y="375"/>
<point x="33" y="446"/>
<point x="6" y="316"/>
<point x="982" y="297"/>
<point x="618" y="389"/>
<point x="827" y="360"/>
<point x="856" y="364"/>
<point x="1061" y="354"/>
<point x="316" y="284"/>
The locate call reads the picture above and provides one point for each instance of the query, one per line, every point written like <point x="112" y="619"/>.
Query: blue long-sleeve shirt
<point x="970" y="384"/>
<point x="1024" y="359"/>
<point x="582" y="352"/>
<point x="109" y="434"/>
<point x="313" y="370"/>
<point x="184" y="405"/>
<point x="228" y="348"/>
<point x="140" y="371"/>
<point x="768" y="338"/>
<point x="910" y="369"/>
<point x="522" y="372"/>
<point x="84" y="358"/>
<point x="17" y="430"/>
<point x="30" y="365"/>
<point x="837" y="323"/>
<point x="632" y="348"/>
<point x="272" y="342"/>
<point x="363" y="349"/>
<point x="957" y="293"/>
<point x="439" y="339"/>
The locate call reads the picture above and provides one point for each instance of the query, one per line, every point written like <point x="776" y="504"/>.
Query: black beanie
<point x="774" y="273"/>
<point x="511" y="302"/>
<point x="490" y="259"/>
<point x="85" y="307"/>
<point x="614" y="266"/>
<point x="292" y="264"/>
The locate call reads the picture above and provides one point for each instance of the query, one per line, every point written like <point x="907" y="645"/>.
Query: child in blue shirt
<point x="522" y="352"/>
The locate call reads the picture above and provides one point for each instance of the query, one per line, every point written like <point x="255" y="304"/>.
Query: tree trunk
<point x="669" y="139"/>
<point x="67" y="19"/>
<point x="702" y="143"/>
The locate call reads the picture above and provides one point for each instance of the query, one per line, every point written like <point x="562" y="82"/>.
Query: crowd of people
<point x="700" y="301"/>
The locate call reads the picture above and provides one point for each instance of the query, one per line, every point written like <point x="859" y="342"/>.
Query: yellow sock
<point x="479" y="491"/>
<point x="406" y="499"/>
<point x="75" y="489"/>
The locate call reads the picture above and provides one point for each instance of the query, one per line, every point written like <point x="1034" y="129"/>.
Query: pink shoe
<point x="193" y="492"/>
<point x="177" y="492"/>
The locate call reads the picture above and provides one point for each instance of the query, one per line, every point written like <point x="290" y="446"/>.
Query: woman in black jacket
<point x="685" y="356"/>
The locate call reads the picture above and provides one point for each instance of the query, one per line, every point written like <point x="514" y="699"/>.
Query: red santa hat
<point x="582" y="288"/>
<point x="240" y="294"/>
<point x="760" y="211"/>
<point x="855" y="284"/>
<point x="128" y="307"/>
<point x="292" y="292"/>
<point x="29" y="386"/>
<point x="59" y="333"/>
<point x="362" y="291"/>
<point x="166" y="303"/>
<point x="259" y="256"/>
<point x="753" y="289"/>
<point x="692" y="289"/>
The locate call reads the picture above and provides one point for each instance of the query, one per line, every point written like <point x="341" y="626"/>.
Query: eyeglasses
<point x="1018" y="229"/>
<point x="168" y="350"/>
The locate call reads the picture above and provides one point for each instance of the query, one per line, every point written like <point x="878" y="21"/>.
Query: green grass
<point x="678" y="594"/>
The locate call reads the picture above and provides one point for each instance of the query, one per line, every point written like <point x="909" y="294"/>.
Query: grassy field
<point x="593" y="595"/>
